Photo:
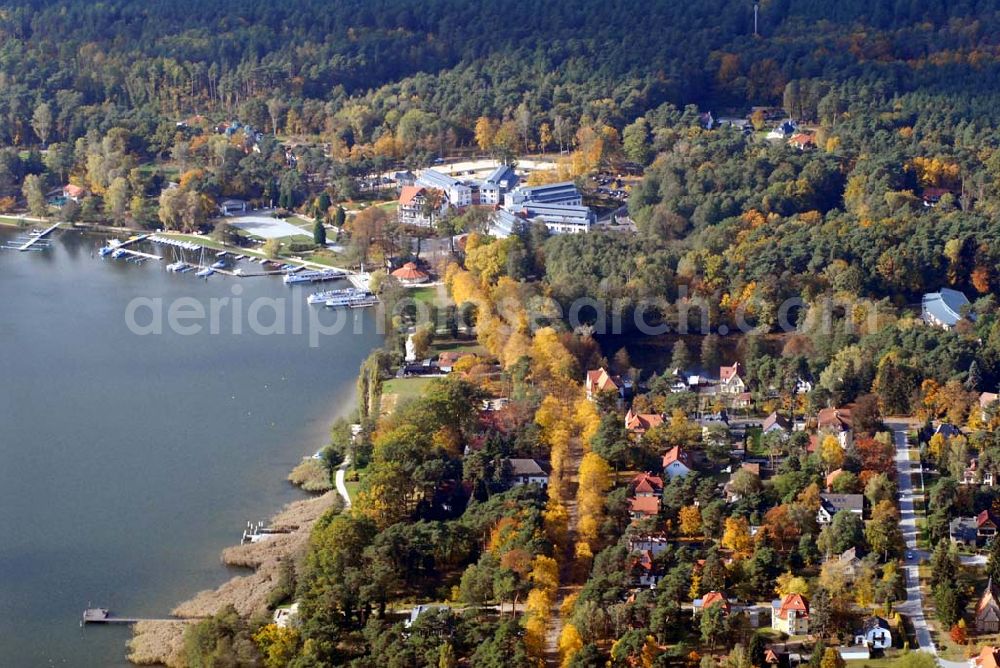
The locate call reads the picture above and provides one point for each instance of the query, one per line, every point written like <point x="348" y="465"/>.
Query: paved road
<point x="914" y="605"/>
<point x="340" y="481"/>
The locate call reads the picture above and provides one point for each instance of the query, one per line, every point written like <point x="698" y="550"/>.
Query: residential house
<point x="741" y="400"/>
<point x="988" y="657"/>
<point x="790" y="615"/>
<point x="831" y="476"/>
<point x="655" y="543"/>
<point x="446" y="362"/>
<point x="988" y="611"/>
<point x="710" y="599"/>
<point x="947" y="430"/>
<point x="775" y="423"/>
<point x="836" y="421"/>
<point x="986" y="526"/>
<point x="528" y="472"/>
<point x="974" y="475"/>
<point x="412" y="207"/>
<point x="677" y="462"/>
<point x="730" y="382"/>
<point x="783" y="131"/>
<point x="874" y="634"/>
<point x="986" y="400"/>
<point x="944" y="308"/>
<point x="850" y="563"/>
<point x="644" y="571"/>
<point x="831" y="504"/>
<point x="803" y="386"/>
<point x="802" y="141"/>
<point x="638" y="424"/>
<point x="459" y="194"/>
<point x="73" y="192"/>
<point x="599" y="381"/>
<point x="643" y="507"/>
<point x="409" y="274"/>
<point x="646" y="484"/>
<point x="964" y="531"/>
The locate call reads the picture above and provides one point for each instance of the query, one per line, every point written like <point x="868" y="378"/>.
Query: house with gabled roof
<point x="646" y="484"/>
<point x="528" y="472"/>
<point x="643" y="507"/>
<point x="654" y="542"/>
<point x="638" y="424"/>
<point x="974" y="475"/>
<point x="643" y="569"/>
<point x="831" y="504"/>
<point x="775" y="423"/>
<point x="600" y="381"/>
<point x="963" y="531"/>
<point x="838" y="422"/>
<point x="710" y="599"/>
<point x="986" y="526"/>
<point x="790" y="615"/>
<point x="730" y="381"/>
<point x="677" y="462"/>
<point x="988" y="610"/>
<point x="412" y="206"/>
<point x="874" y="633"/>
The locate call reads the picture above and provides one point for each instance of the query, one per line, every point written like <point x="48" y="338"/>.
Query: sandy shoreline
<point x="162" y="643"/>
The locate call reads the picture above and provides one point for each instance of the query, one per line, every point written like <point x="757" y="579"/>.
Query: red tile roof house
<point x="986" y="526"/>
<point x="643" y="569"/>
<point x="75" y="193"/>
<point x="836" y="421"/>
<point x="599" y="380"/>
<point x="644" y="507"/>
<point x="638" y="424"/>
<point x="646" y="484"/>
<point x="710" y="599"/>
<point x="677" y="462"/>
<point x="412" y="203"/>
<point x="790" y="615"/>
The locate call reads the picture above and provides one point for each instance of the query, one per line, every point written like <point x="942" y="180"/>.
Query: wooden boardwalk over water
<point x="36" y="238"/>
<point x="104" y="616"/>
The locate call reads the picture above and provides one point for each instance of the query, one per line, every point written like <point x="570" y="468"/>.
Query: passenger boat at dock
<point x="326" y="295"/>
<point x="313" y="276"/>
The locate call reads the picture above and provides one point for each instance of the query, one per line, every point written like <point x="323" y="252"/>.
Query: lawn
<point x="13" y="222"/>
<point x="399" y="390"/>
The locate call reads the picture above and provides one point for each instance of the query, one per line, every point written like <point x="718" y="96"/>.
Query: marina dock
<point x="35" y="238"/>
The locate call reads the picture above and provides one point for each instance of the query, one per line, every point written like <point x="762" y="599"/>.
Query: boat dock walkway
<point x="104" y="616"/>
<point x="36" y="238"/>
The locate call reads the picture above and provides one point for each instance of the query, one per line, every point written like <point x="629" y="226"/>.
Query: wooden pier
<point x="104" y="616"/>
<point x="36" y="238"/>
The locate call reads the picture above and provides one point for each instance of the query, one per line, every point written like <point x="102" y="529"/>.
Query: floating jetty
<point x="176" y="243"/>
<point x="104" y="616"/>
<point x="255" y="533"/>
<point x="36" y="240"/>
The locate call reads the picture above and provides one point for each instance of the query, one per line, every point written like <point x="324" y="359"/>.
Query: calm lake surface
<point x="128" y="462"/>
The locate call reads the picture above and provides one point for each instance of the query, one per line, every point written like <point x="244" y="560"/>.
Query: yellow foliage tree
<point x="831" y="453"/>
<point x="690" y="520"/>
<point x="736" y="536"/>
<point x="570" y="643"/>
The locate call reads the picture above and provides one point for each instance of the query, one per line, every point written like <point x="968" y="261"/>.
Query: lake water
<point x="127" y="462"/>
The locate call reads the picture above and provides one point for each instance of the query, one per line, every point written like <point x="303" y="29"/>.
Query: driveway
<point x="914" y="605"/>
